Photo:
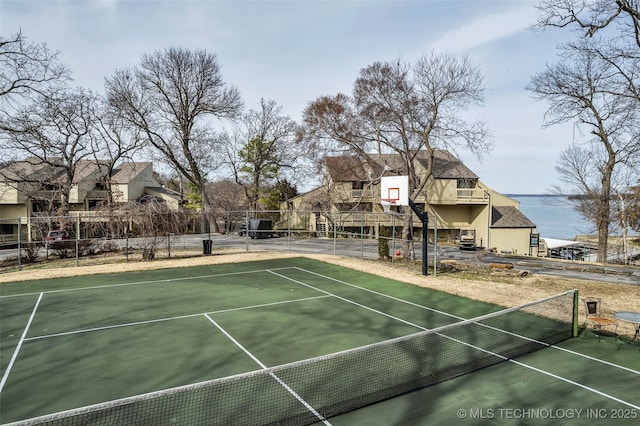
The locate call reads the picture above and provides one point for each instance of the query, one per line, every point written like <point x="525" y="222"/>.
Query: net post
<point x="576" y="303"/>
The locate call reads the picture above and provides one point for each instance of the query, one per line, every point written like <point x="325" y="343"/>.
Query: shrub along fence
<point x="155" y="234"/>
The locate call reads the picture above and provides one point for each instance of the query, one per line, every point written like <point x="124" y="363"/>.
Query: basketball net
<point x="387" y="203"/>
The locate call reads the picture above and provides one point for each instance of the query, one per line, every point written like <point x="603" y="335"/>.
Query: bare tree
<point x="591" y="17"/>
<point x="625" y="207"/>
<point x="31" y="79"/>
<point x="609" y="30"/>
<point x="28" y="68"/>
<point x="171" y="97"/>
<point x="263" y="151"/>
<point x="152" y="222"/>
<point x="230" y="203"/>
<point x="633" y="206"/>
<point x="53" y="132"/>
<point x="113" y="140"/>
<point x="579" y="90"/>
<point x="404" y="109"/>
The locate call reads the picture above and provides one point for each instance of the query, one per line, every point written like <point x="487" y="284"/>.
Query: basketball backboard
<point x="394" y="190"/>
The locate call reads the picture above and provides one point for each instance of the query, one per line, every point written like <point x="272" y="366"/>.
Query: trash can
<point x="206" y="246"/>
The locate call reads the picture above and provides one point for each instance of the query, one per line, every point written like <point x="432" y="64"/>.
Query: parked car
<point x="56" y="237"/>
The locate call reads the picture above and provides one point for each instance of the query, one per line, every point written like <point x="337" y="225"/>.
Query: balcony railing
<point x="362" y="194"/>
<point x="472" y="196"/>
<point x="46" y="195"/>
<point x="98" y="194"/>
<point x="8" y="238"/>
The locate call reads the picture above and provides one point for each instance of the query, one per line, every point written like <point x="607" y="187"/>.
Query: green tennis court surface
<point x="210" y="344"/>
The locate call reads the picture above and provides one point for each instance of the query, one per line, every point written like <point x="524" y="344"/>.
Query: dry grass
<point x="502" y="287"/>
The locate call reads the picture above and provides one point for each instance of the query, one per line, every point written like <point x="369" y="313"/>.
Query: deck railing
<point x="472" y="195"/>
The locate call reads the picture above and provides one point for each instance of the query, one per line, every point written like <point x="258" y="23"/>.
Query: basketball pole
<point x="425" y="235"/>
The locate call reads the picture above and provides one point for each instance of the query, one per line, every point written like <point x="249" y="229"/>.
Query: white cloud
<point x="485" y="29"/>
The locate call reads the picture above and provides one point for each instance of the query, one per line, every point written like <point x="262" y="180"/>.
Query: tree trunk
<point x="209" y="215"/>
<point x="407" y="235"/>
<point x="604" y="208"/>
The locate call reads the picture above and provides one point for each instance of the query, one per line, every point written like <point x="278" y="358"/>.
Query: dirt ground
<point x="499" y="287"/>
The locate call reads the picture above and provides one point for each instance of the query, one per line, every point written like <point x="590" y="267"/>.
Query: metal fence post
<point x="78" y="240"/>
<point x="435" y="244"/>
<point x="19" y="243"/>
<point x="246" y="218"/>
<point x="289" y="229"/>
<point x="361" y="235"/>
<point x="335" y="233"/>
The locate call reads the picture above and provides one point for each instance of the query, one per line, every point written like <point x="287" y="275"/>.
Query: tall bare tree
<point x="579" y="90"/>
<point x="609" y="48"/>
<point x="406" y="109"/>
<point x="172" y="97"/>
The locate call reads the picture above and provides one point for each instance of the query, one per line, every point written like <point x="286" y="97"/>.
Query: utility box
<point x="467" y="239"/>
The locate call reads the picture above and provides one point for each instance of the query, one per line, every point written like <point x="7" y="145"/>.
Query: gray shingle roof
<point x="30" y="169"/>
<point x="353" y="169"/>
<point x="509" y="217"/>
<point x="348" y="169"/>
<point x="447" y="166"/>
<point x="126" y="172"/>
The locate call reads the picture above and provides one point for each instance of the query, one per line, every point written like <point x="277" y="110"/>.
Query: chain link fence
<point x="91" y="237"/>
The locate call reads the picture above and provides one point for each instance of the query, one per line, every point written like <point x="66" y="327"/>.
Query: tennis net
<point x="312" y="390"/>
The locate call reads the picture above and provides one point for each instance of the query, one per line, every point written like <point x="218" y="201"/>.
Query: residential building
<point x="30" y="189"/>
<point x="454" y="197"/>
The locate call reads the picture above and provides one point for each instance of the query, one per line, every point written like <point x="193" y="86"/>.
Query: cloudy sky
<point x="293" y="51"/>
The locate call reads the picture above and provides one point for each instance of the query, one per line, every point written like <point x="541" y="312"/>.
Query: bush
<point x="109" y="247"/>
<point x="31" y="251"/>
<point x="61" y="252"/>
<point x="148" y="254"/>
<point x="383" y="242"/>
<point x="87" y="248"/>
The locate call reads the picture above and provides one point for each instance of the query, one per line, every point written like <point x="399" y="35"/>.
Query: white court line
<point x="380" y="294"/>
<point x="564" y="379"/>
<point x="22" y="339"/>
<point x="130" y="324"/>
<point x="610" y="364"/>
<point x="264" y="367"/>
<point x="142" y="282"/>
<point x="547" y="373"/>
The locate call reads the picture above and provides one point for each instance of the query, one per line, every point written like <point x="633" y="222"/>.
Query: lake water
<point x="554" y="216"/>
